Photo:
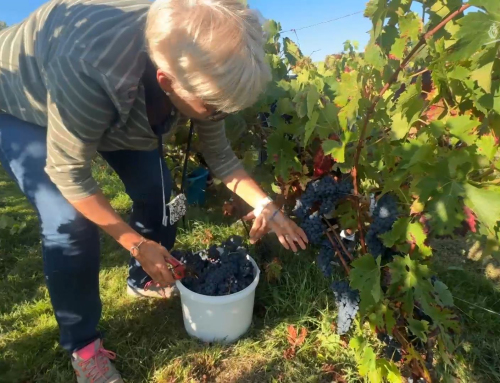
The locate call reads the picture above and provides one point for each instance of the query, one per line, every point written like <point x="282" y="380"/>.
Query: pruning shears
<point x="179" y="270"/>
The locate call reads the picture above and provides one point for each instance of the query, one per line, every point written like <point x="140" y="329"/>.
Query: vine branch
<point x="422" y="42"/>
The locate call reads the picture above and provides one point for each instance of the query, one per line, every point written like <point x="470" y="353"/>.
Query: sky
<point x="292" y="14"/>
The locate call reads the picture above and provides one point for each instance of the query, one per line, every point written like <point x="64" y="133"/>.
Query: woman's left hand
<point x="287" y="231"/>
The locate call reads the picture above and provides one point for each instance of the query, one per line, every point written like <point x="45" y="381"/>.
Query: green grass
<point x="149" y="336"/>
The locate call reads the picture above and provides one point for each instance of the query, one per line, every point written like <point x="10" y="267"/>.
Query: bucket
<point x="221" y="318"/>
<point x="196" y="186"/>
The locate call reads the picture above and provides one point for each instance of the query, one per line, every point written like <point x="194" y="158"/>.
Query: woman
<point x="80" y="77"/>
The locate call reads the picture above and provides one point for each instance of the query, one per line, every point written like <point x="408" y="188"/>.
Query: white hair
<point x="213" y="49"/>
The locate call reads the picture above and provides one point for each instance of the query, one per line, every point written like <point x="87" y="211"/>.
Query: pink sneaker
<point x="92" y="364"/>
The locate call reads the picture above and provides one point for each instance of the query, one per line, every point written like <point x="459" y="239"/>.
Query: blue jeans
<point x="70" y="242"/>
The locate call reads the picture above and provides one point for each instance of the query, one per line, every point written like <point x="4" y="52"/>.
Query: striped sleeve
<point x="79" y="112"/>
<point x="216" y="149"/>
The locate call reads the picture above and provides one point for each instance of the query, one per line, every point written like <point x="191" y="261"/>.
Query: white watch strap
<point x="261" y="205"/>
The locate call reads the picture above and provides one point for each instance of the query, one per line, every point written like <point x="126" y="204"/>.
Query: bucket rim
<point x="222" y="299"/>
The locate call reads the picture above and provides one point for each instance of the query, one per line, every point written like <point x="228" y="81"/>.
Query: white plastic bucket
<point x="222" y="318"/>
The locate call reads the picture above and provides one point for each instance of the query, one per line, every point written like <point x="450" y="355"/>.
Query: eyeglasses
<point x="217" y="116"/>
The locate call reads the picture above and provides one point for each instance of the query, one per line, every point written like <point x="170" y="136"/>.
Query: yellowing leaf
<point x="416" y="207"/>
<point x="486" y="146"/>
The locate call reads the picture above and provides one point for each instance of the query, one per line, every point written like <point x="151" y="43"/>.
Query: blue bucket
<point x="196" y="186"/>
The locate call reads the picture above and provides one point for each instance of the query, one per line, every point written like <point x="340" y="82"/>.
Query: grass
<point x="149" y="336"/>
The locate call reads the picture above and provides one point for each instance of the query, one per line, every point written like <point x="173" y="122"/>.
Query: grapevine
<point x="413" y="119"/>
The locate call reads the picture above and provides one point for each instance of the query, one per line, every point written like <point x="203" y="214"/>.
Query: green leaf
<point x="459" y="73"/>
<point x="483" y="76"/>
<point x="365" y="276"/>
<point x="367" y="365"/>
<point x="292" y="51"/>
<point x="417" y="235"/>
<point x="398" y="48"/>
<point x="463" y="127"/>
<point x="310" y="126"/>
<point x="392" y="372"/>
<point x="335" y="149"/>
<point x="390" y="321"/>
<point x="376" y="10"/>
<point x="397" y="233"/>
<point x="399" y="127"/>
<point x="486" y="146"/>
<point x="300" y="104"/>
<point x="409" y="26"/>
<point x="329" y="114"/>
<point x="485" y="203"/>
<point x="419" y="328"/>
<point x="491" y="6"/>
<point x="407" y="273"/>
<point x="444" y="294"/>
<point x="474" y="32"/>
<point x="375" y="57"/>
<point x="283" y="149"/>
<point x="312" y="100"/>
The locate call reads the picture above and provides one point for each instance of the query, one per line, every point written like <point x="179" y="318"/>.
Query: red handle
<point x="178" y="269"/>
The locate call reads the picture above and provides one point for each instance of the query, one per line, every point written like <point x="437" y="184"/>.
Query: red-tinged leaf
<point x="292" y="335"/>
<point x="289" y="353"/>
<point x="470" y="219"/>
<point x="301" y="339"/>
<point x="322" y="164"/>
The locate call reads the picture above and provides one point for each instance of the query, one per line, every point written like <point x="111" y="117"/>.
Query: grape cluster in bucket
<point x="220" y="270"/>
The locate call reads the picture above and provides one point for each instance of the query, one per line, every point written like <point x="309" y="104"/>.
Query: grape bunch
<point x="347" y="301"/>
<point x="327" y="257"/>
<point x="320" y="197"/>
<point x="220" y="270"/>
<point x="392" y="348"/>
<point x="384" y="216"/>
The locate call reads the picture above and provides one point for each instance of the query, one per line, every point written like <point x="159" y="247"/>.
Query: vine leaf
<point x="335" y="149"/>
<point x="473" y="33"/>
<point x="398" y="48"/>
<point x="419" y="328"/>
<point x="375" y="57"/>
<point x="483" y="76"/>
<point x="485" y="203"/>
<point x="491" y="6"/>
<point x="310" y="126"/>
<point x="282" y="151"/>
<point x="376" y="10"/>
<point x="392" y="372"/>
<point x="410" y="26"/>
<point x="365" y="276"/>
<point x="445" y="298"/>
<point x="463" y="127"/>
<point x="486" y="146"/>
<point x="292" y="51"/>
<point x="410" y="277"/>
<point x="445" y="208"/>
<point x="312" y="100"/>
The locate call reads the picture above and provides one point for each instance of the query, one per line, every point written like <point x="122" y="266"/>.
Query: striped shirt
<point x="74" y="67"/>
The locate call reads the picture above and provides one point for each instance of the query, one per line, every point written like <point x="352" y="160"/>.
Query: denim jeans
<point x="70" y="242"/>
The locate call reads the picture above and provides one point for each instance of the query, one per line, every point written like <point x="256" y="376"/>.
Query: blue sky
<point x="292" y="14"/>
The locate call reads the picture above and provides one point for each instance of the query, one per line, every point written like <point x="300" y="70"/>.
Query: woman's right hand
<point x="152" y="257"/>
